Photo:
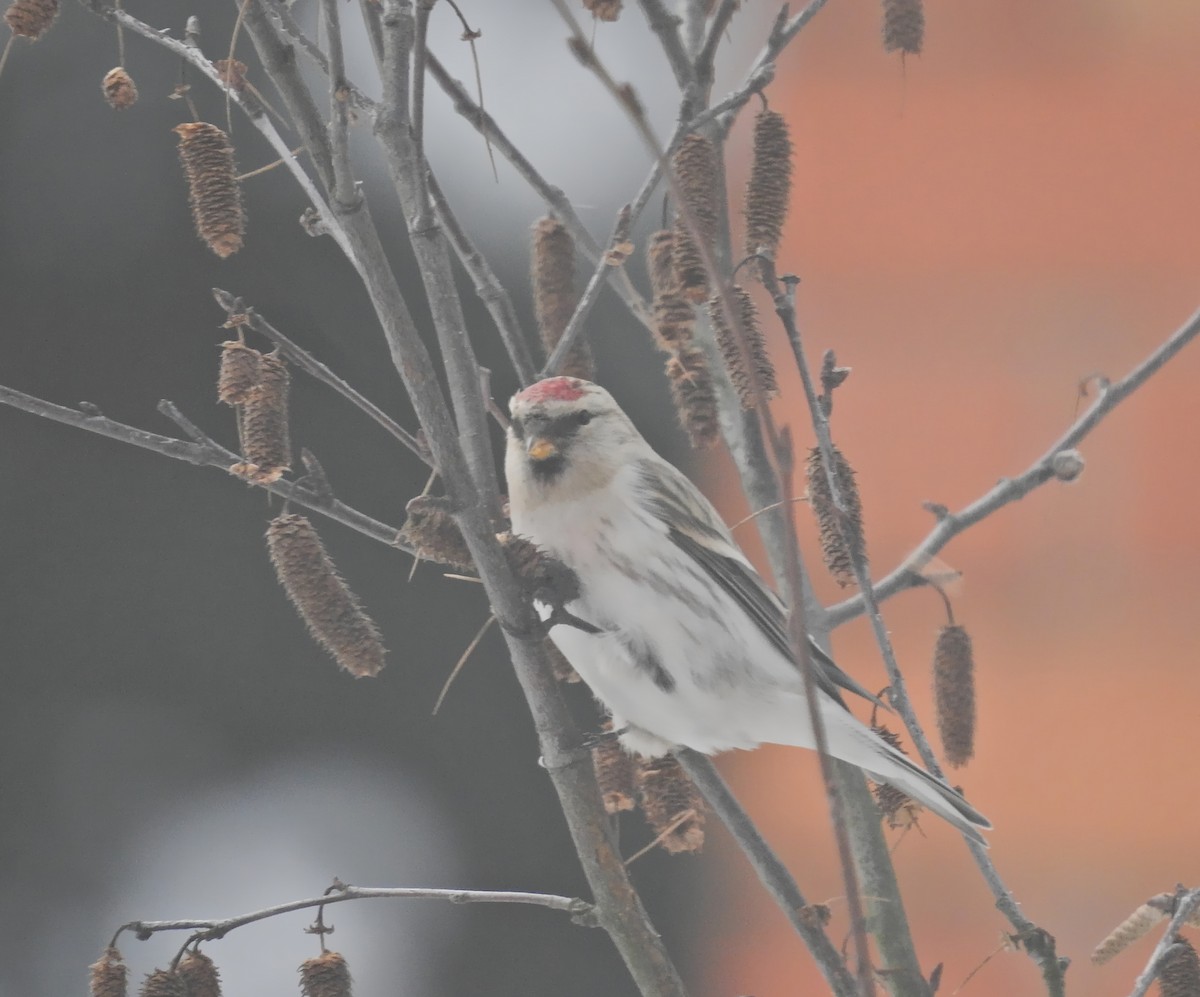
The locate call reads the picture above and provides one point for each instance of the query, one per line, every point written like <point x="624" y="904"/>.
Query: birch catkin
<point x="842" y="539"/>
<point x="119" y="89"/>
<point x="266" y="437"/>
<point x="31" y="18"/>
<point x="750" y="369"/>
<point x="770" y="185"/>
<point x="200" y="974"/>
<point x="213" y="189"/>
<point x="696" y="169"/>
<point x="108" y="976"/>
<point x="163" y="983"/>
<point x="667" y="795"/>
<point x="554" y="296"/>
<point x="240" y="373"/>
<point x="954" y="692"/>
<point x="903" y="26"/>
<point x="326" y="976"/>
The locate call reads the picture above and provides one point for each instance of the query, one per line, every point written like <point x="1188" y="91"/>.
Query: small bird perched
<point x="693" y="649"/>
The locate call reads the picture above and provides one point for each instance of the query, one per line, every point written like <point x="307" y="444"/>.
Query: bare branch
<point x="345" y="191"/>
<point x="666" y="25"/>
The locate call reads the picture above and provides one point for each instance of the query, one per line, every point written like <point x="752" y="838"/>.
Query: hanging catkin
<point x="698" y="173"/>
<point x="554" y="297"/>
<point x="903" y="26"/>
<point x="770" y="185"/>
<point x="750" y="369"/>
<point x="213" y="189"/>
<point x="842" y="540"/>
<point x="954" y="693"/>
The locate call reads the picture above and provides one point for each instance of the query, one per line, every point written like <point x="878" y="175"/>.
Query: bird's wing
<point x="695" y="527"/>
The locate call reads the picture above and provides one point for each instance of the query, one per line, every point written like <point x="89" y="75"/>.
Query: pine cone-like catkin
<point x="674" y="316"/>
<point x="839" y="547"/>
<point x="954" y="692"/>
<point x="603" y="10"/>
<point x="903" y="26"/>
<point x="326" y="976"/>
<point x="694" y="396"/>
<point x="213" y="189"/>
<point x="233" y="73"/>
<point x="749" y="369"/>
<point x="239" y="376"/>
<point x="543" y="577"/>
<point x="31" y="18"/>
<point x="1179" y="971"/>
<point x="108" y="975"/>
<point x="431" y="529"/>
<point x="897" y="807"/>
<point x="770" y="185"/>
<point x="1128" y="931"/>
<point x="554" y="297"/>
<point x="164" y="983"/>
<point x="200" y="974"/>
<point x="614" y="772"/>
<point x="667" y="794"/>
<point x="322" y="598"/>
<point x="699" y="175"/>
<point x="266" y="439"/>
<point x="119" y="89"/>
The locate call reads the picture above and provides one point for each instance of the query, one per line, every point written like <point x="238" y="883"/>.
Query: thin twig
<point x="666" y="25"/>
<point x="345" y="193"/>
<point x="462" y="660"/>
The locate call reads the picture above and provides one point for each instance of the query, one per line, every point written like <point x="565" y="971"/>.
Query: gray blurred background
<point x="172" y="744"/>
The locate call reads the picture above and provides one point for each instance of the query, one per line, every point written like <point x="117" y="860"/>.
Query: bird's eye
<point x="583" y="418"/>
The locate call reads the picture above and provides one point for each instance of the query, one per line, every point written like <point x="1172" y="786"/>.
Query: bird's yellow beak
<point x="540" y="448"/>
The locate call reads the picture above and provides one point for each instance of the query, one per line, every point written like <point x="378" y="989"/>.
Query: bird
<point x="688" y="646"/>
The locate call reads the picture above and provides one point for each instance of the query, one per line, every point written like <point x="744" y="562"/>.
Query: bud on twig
<point x="1067" y="465"/>
<point x="554" y="297"/>
<point x="696" y="169"/>
<point x="903" y="26"/>
<point x="324" y="601"/>
<point x="750" y="369"/>
<point x="326" y="976"/>
<point x="431" y="529"/>
<point x="770" y="185"/>
<point x="119" y="89"/>
<point x="213" y="190"/>
<point x="200" y="974"/>
<point x="842" y="539"/>
<point x="672" y="805"/>
<point x="31" y="18"/>
<point x="108" y="975"/>
<point x="954" y="692"/>
<point x="266" y="440"/>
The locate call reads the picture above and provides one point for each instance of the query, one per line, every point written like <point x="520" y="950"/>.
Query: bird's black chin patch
<point x="548" y="469"/>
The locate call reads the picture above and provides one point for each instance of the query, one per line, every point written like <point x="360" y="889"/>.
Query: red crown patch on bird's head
<point x="553" y="389"/>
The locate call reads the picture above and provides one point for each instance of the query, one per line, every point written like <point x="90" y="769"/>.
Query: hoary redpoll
<point x="693" y="649"/>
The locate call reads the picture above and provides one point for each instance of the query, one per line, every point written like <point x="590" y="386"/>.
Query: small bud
<point x="769" y="187"/>
<point x="954" y="692"/>
<point x="324" y="601"/>
<point x="554" y="297"/>
<point x="698" y="172"/>
<point x="671" y="803"/>
<point x="749" y="363"/>
<point x="903" y="26"/>
<point x="694" y="396"/>
<point x="1128" y="931"/>
<point x="164" y="983"/>
<point x="815" y="915"/>
<point x="326" y="976"/>
<point x="842" y="539"/>
<point x="239" y="376"/>
<point x="1067" y="465"/>
<point x="31" y="18"/>
<point x="108" y="975"/>
<point x="200" y="974"/>
<point x="603" y="10"/>
<point x="1179" y="970"/>
<point x="119" y="89"/>
<point x="614" y="772"/>
<point x="266" y="440"/>
<point x="431" y="529"/>
<point x="213" y="189"/>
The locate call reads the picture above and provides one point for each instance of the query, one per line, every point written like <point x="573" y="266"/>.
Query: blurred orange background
<point x="978" y="230"/>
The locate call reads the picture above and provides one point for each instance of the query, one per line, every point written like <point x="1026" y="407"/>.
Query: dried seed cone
<point x="239" y="375"/>
<point x="543" y="576"/>
<point x="954" y="692"/>
<point x="326" y="976"/>
<point x="903" y="26"/>
<point x="614" y="772"/>
<point x="433" y="532"/>
<point x="213" y="189"/>
<point x="233" y="73"/>
<point x="750" y="368"/>
<point x="108" y="975"/>
<point x="119" y="89"/>
<point x="699" y="175"/>
<point x="322" y="598"/>
<point x="200" y="974"/>
<point x="770" y="185"/>
<point x="164" y="983"/>
<point x="554" y="297"/>
<point x="896" y="807"/>
<point x="694" y="396"/>
<point x="266" y="439"/>
<point x="674" y="316"/>
<point x="31" y="18"/>
<point x="837" y="551"/>
<point x="1127" y="932"/>
<point x="666" y="795"/>
<point x="603" y="10"/>
<point x="1179" y="971"/>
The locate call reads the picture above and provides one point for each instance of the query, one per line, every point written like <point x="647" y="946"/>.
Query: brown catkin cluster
<point x="839" y="547"/>
<point x="266" y="438"/>
<point x="1179" y="971"/>
<point x="233" y="73"/>
<point x="954" y="693"/>
<point x="239" y="376"/>
<point x="326" y="976"/>
<point x="119" y="89"/>
<point x="903" y="26"/>
<point x="614" y="772"/>
<point x="543" y="577"/>
<point x="108" y="976"/>
<point x="31" y="18"/>
<point x="699" y="175"/>
<point x="674" y="316"/>
<point x="164" y="983"/>
<point x="750" y="369"/>
<point x="770" y="185"/>
<point x="666" y="795"/>
<point x="213" y="189"/>
<point x="322" y="598"/>
<point x="603" y="10"/>
<point x="200" y="974"/>
<point x="554" y="297"/>
<point x="694" y="394"/>
<point x="1128" y="931"/>
<point x="898" y="808"/>
<point x="431" y="529"/>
